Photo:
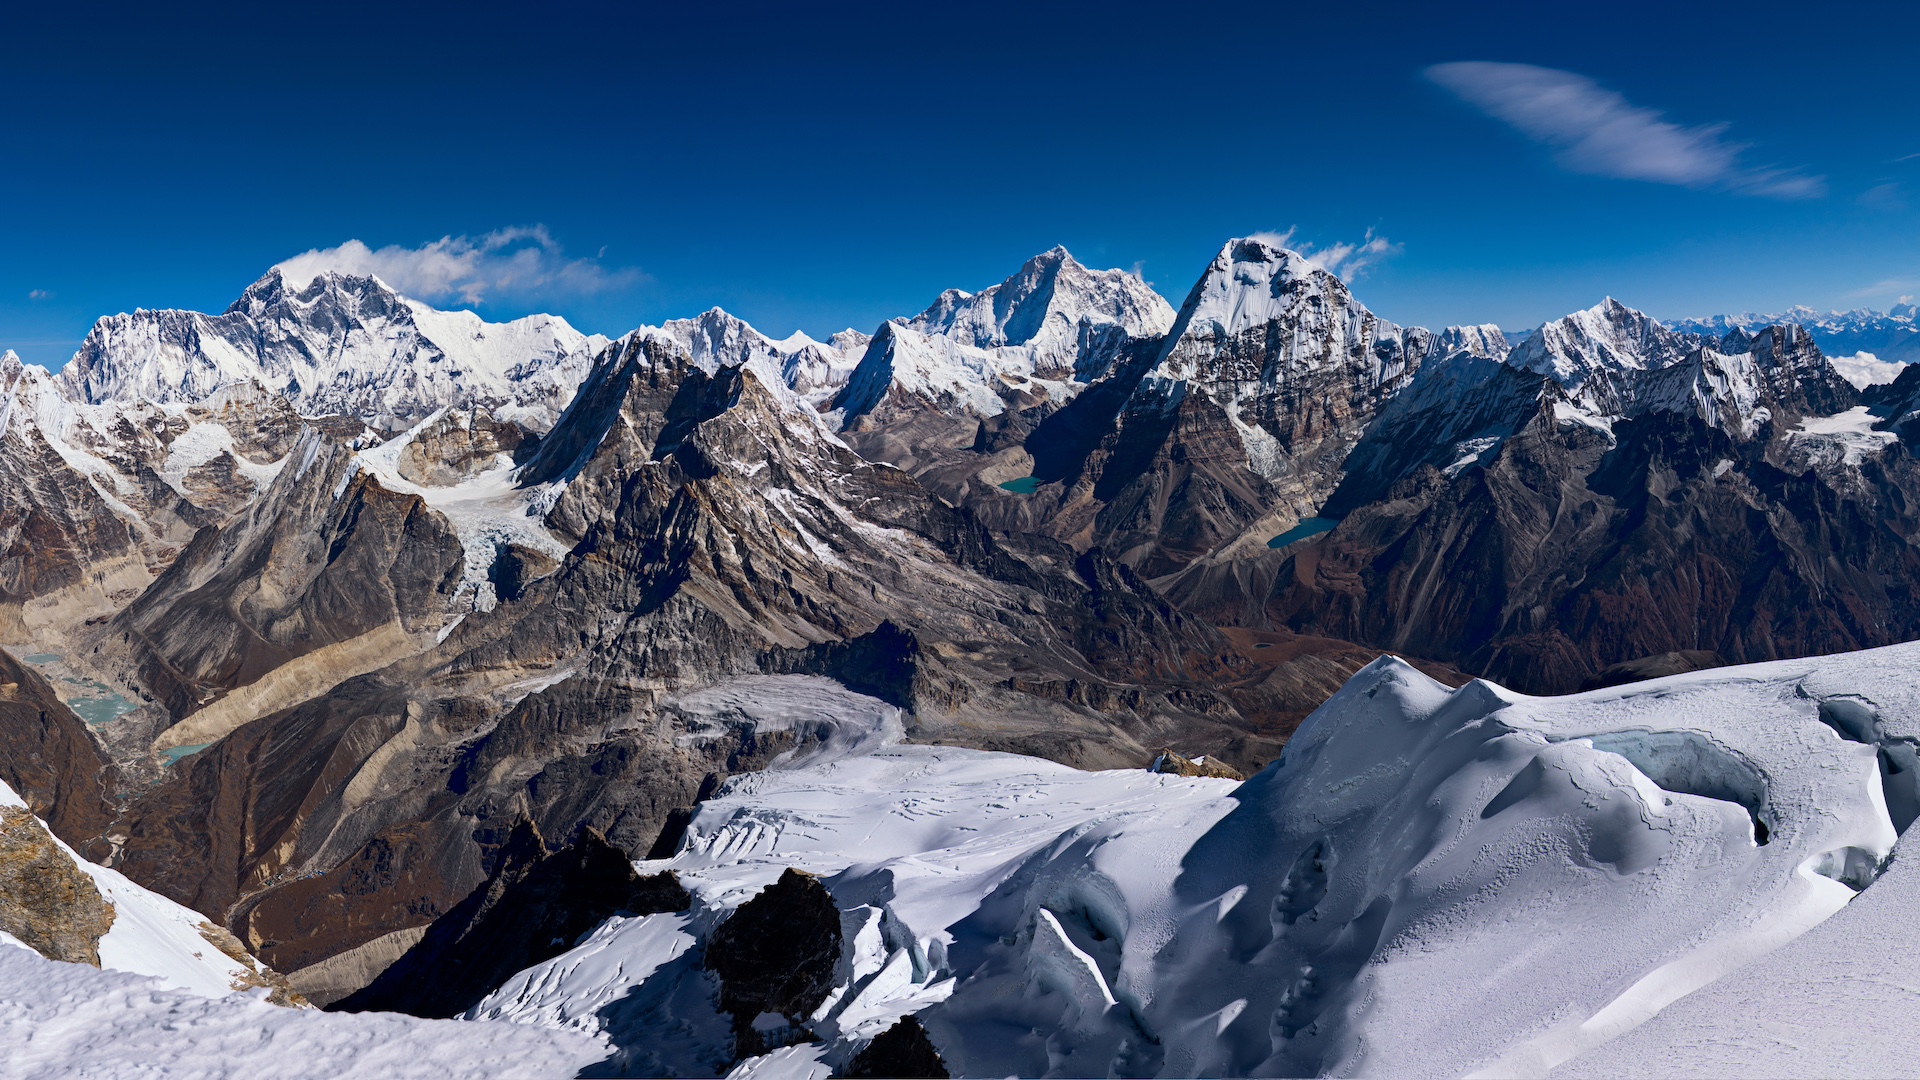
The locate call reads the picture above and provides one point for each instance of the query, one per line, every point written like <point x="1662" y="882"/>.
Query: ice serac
<point x="337" y="344"/>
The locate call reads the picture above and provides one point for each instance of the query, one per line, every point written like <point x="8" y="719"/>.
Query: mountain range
<point x="371" y="631"/>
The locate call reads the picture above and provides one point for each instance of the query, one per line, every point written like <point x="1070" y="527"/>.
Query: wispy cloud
<point x="1888" y="196"/>
<point x="1595" y="130"/>
<point x="1896" y="289"/>
<point x="1347" y="261"/>
<point x="38" y="294"/>
<point x="523" y="262"/>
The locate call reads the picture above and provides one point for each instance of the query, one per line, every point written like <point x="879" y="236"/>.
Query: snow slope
<point x="71" y="1020"/>
<point x="1051" y="328"/>
<point x="1430" y="882"/>
<point x="151" y="935"/>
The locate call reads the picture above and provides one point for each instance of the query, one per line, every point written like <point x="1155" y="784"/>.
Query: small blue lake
<point x="42" y="658"/>
<point x="1025" y="485"/>
<point x="101" y="710"/>
<point x="172" y="754"/>
<point x="1312" y="526"/>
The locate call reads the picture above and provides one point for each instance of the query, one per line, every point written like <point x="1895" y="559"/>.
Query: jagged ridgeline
<point x="319" y="600"/>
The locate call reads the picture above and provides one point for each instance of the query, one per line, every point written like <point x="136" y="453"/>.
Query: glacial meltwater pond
<point x="1025" y="485"/>
<point x="173" y="754"/>
<point x="92" y="701"/>
<point x="1312" y="526"/>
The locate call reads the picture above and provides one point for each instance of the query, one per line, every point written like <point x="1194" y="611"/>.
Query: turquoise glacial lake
<point x="1313" y="526"/>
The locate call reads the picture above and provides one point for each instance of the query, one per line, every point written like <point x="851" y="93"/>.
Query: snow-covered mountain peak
<point x="716" y="339"/>
<point x="1869" y="347"/>
<point x="1048" y="306"/>
<point x="950" y="374"/>
<point x="1486" y="339"/>
<point x="1250" y="283"/>
<point x="1609" y="338"/>
<point x="1259" y="302"/>
<point x="337" y="344"/>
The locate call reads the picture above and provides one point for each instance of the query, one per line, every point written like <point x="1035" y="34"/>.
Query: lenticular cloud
<point x="524" y="261"/>
<point x="1595" y="130"/>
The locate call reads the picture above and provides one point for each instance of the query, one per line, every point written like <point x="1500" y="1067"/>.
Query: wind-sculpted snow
<point x="1430" y="882"/>
<point x="62" y="1020"/>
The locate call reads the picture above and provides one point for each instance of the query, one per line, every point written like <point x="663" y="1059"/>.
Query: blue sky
<point x="814" y="166"/>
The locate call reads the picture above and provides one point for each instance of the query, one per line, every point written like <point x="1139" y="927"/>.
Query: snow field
<point x="1430" y="882"/>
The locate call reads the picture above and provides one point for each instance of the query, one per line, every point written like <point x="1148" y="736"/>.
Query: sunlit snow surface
<point x="70" y="1020"/>
<point x="1431" y="882"/>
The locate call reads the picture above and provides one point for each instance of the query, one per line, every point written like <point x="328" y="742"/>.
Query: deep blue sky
<point x="816" y="166"/>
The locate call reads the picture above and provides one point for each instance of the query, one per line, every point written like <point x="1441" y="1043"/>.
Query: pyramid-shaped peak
<point x="1043" y="304"/>
<point x="275" y="290"/>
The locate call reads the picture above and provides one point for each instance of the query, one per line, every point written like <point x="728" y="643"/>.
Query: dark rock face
<point x="1568" y="553"/>
<point x="776" y="954"/>
<point x="903" y="1050"/>
<point x="699" y="515"/>
<point x="326" y="555"/>
<point x="48" y="759"/>
<point x="45" y="900"/>
<point x="534" y="906"/>
<point x="1654" y="667"/>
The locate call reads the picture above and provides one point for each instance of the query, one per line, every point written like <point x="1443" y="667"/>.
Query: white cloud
<point x="1594" y="130"/>
<point x="524" y="262"/>
<point x="1347" y="261"/>
<point x="38" y="294"/>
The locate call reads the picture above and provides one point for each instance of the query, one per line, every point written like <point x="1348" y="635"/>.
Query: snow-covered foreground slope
<point x="151" y="935"/>
<point x="1430" y="882"/>
<point x="65" y="1020"/>
<point x="166" y="1001"/>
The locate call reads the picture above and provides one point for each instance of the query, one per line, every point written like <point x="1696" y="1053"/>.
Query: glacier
<point x="1429" y="882"/>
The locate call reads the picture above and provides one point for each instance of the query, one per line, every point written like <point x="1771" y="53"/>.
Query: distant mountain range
<point x="1853" y="340"/>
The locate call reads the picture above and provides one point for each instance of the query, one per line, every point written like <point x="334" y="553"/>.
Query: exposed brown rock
<point x="461" y="444"/>
<point x="49" y="759"/>
<point x="257" y="976"/>
<point x="1654" y="667"/>
<point x="45" y="900"/>
<point x="1166" y="761"/>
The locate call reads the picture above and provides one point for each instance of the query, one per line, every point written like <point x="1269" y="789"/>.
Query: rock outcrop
<point x="903" y="1050"/>
<point x="45" y="900"/>
<point x="775" y="957"/>
<point x="534" y="906"/>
